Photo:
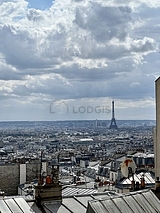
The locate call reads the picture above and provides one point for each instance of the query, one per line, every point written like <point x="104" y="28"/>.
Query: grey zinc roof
<point x="55" y="208"/>
<point x="75" y="204"/>
<point x="84" y="199"/>
<point x="70" y="204"/>
<point x="14" y="205"/>
<point x="135" y="202"/>
<point x="3" y="207"/>
<point x="106" y="202"/>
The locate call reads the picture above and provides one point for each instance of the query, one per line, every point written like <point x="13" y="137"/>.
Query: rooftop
<point x="141" y="201"/>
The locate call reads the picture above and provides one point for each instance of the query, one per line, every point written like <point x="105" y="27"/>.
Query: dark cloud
<point x="105" y="22"/>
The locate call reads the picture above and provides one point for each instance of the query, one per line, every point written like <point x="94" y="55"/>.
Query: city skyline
<point x="68" y="60"/>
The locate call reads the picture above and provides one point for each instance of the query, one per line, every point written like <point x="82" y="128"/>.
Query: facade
<point x="14" y="174"/>
<point x="157" y="131"/>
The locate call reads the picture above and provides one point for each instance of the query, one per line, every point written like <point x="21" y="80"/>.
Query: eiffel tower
<point x="113" y="124"/>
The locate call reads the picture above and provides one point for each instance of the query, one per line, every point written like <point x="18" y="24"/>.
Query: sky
<point x="68" y="60"/>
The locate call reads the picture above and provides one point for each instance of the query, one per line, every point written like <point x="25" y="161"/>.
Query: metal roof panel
<point x="84" y="200"/>
<point x="122" y="205"/>
<point x="74" y="205"/>
<point x="138" y="201"/>
<point x="153" y="200"/>
<point x="23" y="205"/>
<point x="13" y="205"/>
<point x="3" y="207"/>
<point x="97" y="207"/>
<point x="110" y="206"/>
<point x="144" y="203"/>
<point x="133" y="204"/>
<point x="55" y="208"/>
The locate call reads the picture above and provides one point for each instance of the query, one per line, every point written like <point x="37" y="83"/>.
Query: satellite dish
<point x="128" y="167"/>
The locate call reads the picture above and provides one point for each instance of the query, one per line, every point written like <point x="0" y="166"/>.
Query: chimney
<point x="142" y="182"/>
<point x="22" y="173"/>
<point x="50" y="189"/>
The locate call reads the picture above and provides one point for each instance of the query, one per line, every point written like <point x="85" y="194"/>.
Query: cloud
<point x="113" y="21"/>
<point x="78" y="49"/>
